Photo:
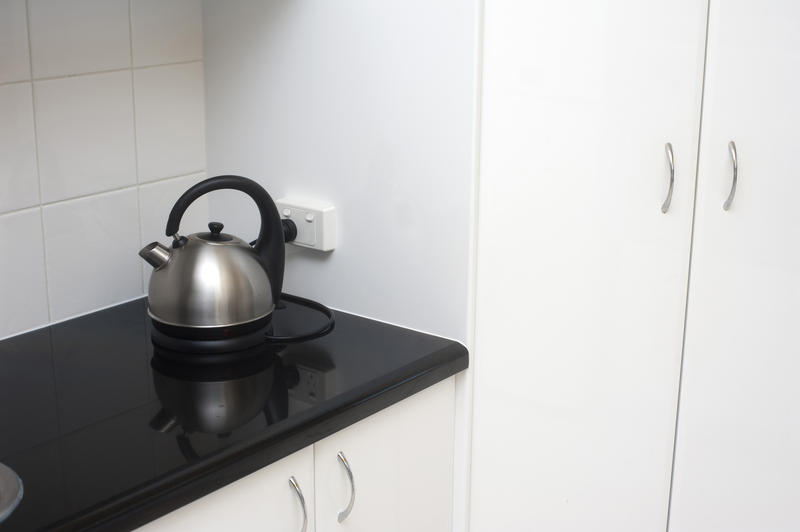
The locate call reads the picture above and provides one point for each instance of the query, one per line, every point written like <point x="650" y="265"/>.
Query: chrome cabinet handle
<point x="671" y="160"/>
<point x="735" y="160"/>
<point x="344" y="513"/>
<point x="293" y="483"/>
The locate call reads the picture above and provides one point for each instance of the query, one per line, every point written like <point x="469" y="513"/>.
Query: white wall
<point x="101" y="128"/>
<point x="368" y="105"/>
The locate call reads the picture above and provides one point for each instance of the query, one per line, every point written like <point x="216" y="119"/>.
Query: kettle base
<point x="212" y="333"/>
<point x="194" y="343"/>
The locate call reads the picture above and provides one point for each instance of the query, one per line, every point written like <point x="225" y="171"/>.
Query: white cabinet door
<point x="261" y="501"/>
<point x="737" y="457"/>
<point x="402" y="464"/>
<point x="581" y="278"/>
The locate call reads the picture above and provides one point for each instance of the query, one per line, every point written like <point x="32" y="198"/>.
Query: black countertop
<point x="107" y="436"/>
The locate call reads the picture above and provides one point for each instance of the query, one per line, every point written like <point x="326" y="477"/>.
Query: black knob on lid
<point x="215" y="234"/>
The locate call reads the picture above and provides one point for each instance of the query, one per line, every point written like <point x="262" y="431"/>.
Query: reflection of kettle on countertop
<point x="219" y="398"/>
<point x="211" y="399"/>
<point x="213" y="286"/>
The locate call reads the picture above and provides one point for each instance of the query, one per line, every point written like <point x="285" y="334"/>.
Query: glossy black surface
<point x="107" y="435"/>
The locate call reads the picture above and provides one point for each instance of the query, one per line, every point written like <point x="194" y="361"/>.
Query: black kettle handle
<point x="269" y="244"/>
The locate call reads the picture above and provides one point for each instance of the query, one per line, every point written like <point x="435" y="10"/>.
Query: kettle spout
<point x="155" y="254"/>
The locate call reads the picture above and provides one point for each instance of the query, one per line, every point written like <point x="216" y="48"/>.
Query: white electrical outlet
<point x="315" y="221"/>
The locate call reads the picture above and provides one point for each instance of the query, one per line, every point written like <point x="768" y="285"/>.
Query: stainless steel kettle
<point x="214" y="282"/>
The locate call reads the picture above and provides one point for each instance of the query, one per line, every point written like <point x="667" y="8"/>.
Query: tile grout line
<point x="18" y="81"/>
<point x="172" y="63"/>
<point x="101" y="192"/>
<point x="107" y="71"/>
<point x="135" y="142"/>
<point x="36" y="155"/>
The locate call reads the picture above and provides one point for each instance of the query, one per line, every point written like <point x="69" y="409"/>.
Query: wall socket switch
<point x="315" y="221"/>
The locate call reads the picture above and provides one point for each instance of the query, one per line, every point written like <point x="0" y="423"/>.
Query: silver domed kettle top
<point x="214" y="280"/>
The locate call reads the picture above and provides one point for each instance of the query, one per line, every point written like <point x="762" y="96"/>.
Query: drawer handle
<point x="346" y="512"/>
<point x="293" y="483"/>
<point x="735" y="160"/>
<point x="671" y="161"/>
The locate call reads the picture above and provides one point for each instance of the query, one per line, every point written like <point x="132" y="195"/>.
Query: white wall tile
<point x="91" y="252"/>
<point x="14" y="62"/>
<point x="20" y="184"/>
<point x="157" y="199"/>
<point x="170" y="120"/>
<point x="22" y="280"/>
<point x="166" y="31"/>
<point x="68" y="145"/>
<point x="78" y="36"/>
<point x="86" y="138"/>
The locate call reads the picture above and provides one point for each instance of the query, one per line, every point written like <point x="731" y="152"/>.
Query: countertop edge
<point x="141" y="505"/>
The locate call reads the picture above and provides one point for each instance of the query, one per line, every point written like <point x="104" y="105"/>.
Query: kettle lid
<point x="215" y="233"/>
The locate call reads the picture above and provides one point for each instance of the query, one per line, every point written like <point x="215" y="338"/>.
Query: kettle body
<point x="215" y="285"/>
<point x="208" y="283"/>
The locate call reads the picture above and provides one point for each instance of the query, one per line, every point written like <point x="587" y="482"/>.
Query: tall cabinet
<point x="737" y="457"/>
<point x="581" y="275"/>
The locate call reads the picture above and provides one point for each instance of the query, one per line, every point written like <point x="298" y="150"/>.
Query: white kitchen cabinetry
<point x="581" y="278"/>
<point x="737" y="460"/>
<point x="402" y="464"/>
<point x="263" y="500"/>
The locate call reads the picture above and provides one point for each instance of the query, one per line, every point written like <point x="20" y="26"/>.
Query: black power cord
<point x="313" y="305"/>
